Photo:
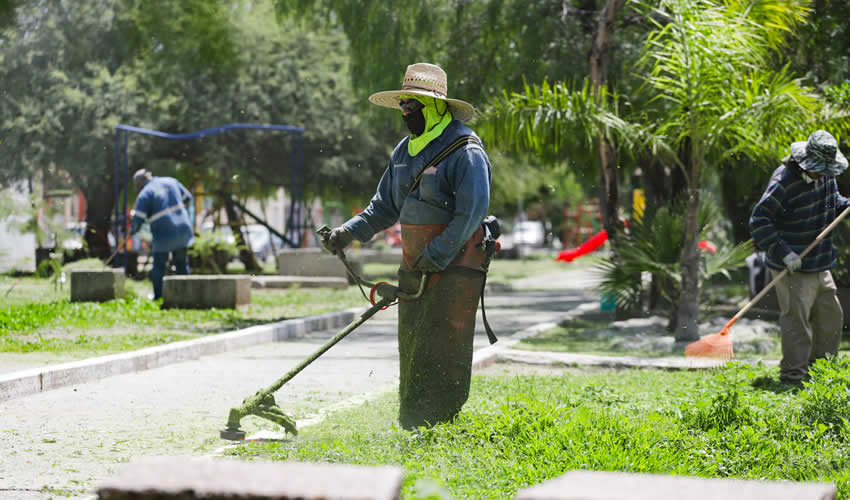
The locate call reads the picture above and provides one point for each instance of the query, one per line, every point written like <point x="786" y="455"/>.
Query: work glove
<point x="339" y="239"/>
<point x="792" y="262"/>
<point x="425" y="265"/>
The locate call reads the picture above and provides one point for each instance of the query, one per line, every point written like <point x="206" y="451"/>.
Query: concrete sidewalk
<point x="66" y="439"/>
<point x="31" y="381"/>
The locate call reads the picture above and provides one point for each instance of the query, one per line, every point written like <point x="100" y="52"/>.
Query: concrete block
<point x="284" y="282"/>
<point x="389" y="256"/>
<point x="595" y="485"/>
<point x="204" y="291"/>
<point x="97" y="285"/>
<point x="313" y="262"/>
<point x="191" y="478"/>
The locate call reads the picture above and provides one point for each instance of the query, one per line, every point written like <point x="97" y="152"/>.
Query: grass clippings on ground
<point x="517" y="431"/>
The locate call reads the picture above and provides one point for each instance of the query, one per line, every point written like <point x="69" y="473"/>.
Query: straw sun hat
<point x="426" y="80"/>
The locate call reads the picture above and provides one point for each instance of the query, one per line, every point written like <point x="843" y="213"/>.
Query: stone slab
<point x="191" y="478"/>
<point x="97" y="285"/>
<point x="598" y="485"/>
<point x="313" y="262"/>
<point x="389" y="256"/>
<point x="32" y="381"/>
<point x="205" y="291"/>
<point x="299" y="281"/>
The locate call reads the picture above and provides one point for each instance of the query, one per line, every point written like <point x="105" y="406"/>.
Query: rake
<point x="719" y="345"/>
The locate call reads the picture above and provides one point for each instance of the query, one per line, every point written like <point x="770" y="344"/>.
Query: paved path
<point x="61" y="442"/>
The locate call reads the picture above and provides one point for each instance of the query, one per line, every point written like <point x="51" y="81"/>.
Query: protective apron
<point x="435" y="333"/>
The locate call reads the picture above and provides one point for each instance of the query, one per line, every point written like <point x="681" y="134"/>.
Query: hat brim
<point x="815" y="165"/>
<point x="461" y="110"/>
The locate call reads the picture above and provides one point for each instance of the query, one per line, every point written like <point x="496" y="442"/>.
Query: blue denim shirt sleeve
<point x="469" y="173"/>
<point x="141" y="212"/>
<point x="381" y="213"/>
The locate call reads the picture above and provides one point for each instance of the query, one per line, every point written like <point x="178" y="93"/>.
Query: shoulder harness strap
<point x="451" y="148"/>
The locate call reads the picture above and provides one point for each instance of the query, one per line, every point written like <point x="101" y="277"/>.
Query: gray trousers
<point x="810" y="321"/>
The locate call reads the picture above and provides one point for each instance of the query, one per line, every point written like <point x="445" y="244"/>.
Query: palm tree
<point x="711" y="93"/>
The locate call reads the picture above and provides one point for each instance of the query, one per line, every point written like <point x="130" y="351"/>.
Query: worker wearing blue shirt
<point x="437" y="185"/>
<point x="166" y="205"/>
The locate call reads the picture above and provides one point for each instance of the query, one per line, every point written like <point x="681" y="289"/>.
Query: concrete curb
<point x="36" y="380"/>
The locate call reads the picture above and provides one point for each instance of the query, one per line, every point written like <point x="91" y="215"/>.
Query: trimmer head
<point x="232" y="435"/>
<point x="261" y="405"/>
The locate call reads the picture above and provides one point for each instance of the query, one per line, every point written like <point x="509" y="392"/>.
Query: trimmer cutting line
<point x="719" y="345"/>
<point x="262" y="404"/>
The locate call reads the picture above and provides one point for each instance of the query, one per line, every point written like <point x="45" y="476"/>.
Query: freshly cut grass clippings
<point x="518" y="431"/>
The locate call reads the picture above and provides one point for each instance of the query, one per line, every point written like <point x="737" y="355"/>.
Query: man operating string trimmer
<point x="437" y="184"/>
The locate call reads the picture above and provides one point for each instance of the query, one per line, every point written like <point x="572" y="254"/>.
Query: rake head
<point x="718" y="345"/>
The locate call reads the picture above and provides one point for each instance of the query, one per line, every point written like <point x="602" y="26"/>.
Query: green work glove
<point x="425" y="265"/>
<point x="339" y="239"/>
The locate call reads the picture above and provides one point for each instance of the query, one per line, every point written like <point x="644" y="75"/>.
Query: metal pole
<point x="124" y="231"/>
<point x="117" y="163"/>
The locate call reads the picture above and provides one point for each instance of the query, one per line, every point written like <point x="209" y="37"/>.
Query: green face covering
<point x="437" y="118"/>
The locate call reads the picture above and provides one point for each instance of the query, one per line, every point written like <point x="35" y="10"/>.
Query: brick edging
<point x="36" y="380"/>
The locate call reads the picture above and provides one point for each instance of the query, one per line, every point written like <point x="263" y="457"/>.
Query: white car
<point x="529" y="233"/>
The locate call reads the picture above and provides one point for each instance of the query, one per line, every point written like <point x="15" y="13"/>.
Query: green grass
<point x="38" y="317"/>
<point x="517" y="431"/>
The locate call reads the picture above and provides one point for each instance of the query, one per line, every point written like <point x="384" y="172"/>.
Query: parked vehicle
<point x="531" y="233"/>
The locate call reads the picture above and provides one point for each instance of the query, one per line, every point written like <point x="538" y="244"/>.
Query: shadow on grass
<point x="776" y="386"/>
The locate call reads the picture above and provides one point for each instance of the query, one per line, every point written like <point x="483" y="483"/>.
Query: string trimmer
<point x="262" y="404"/>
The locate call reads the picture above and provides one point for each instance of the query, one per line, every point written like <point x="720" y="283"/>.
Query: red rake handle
<point x="781" y="275"/>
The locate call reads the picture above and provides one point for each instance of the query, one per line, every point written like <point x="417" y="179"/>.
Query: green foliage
<point x="519" y="430"/>
<point x="212" y="251"/>
<point x="550" y="119"/>
<point x="36" y="317"/>
<point x="654" y="245"/>
<point x="826" y="400"/>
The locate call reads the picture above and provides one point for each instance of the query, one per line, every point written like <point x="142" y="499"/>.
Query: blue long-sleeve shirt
<point x="456" y="193"/>
<point x="791" y="214"/>
<point x="166" y="205"/>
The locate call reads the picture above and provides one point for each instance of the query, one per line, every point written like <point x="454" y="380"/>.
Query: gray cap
<point x="820" y="154"/>
<point x="141" y="176"/>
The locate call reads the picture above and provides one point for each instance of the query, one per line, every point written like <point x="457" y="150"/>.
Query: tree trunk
<point x="235" y="221"/>
<point x="605" y="151"/>
<point x="100" y="202"/>
<point x="609" y="194"/>
<point x="688" y="316"/>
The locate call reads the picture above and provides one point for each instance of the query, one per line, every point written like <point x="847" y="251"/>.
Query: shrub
<point x="654" y="245"/>
<point x="211" y="252"/>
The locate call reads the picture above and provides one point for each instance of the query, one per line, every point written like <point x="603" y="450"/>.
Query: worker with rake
<point x="437" y="184"/>
<point x="801" y="200"/>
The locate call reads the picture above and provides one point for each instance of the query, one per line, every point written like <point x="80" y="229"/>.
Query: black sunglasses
<point x="410" y="105"/>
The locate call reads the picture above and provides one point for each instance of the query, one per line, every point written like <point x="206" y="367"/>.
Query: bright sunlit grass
<point x="517" y="431"/>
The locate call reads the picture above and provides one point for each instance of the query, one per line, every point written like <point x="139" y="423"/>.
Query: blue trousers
<point x="160" y="259"/>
